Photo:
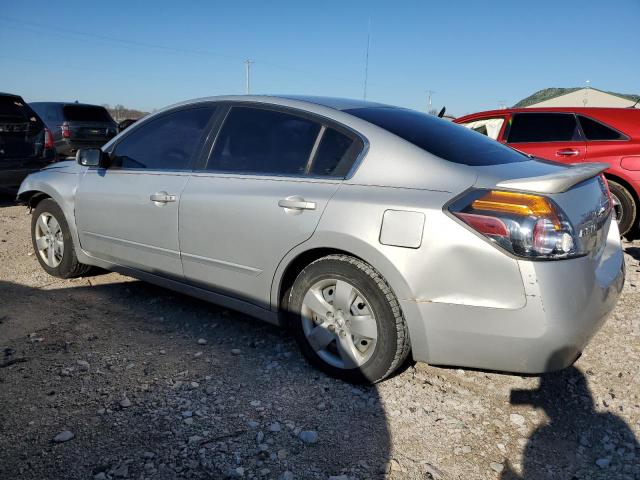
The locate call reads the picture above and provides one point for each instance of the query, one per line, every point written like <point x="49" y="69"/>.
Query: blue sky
<point x="473" y="54"/>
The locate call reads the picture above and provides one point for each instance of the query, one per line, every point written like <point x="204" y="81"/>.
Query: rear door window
<point x="169" y="142"/>
<point x="543" y="127"/>
<point x="594" y="130"/>
<point x="262" y="141"/>
<point x="86" y="113"/>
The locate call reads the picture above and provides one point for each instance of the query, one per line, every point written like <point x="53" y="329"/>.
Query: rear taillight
<point x="66" y="133"/>
<point x="48" y="140"/>
<point x="526" y="225"/>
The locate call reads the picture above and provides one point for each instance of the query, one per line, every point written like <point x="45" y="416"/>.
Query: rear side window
<point x="487" y="126"/>
<point x="13" y="109"/>
<point x="444" y="139"/>
<point x="543" y="127"/>
<point x="254" y="140"/>
<point x="594" y="130"/>
<point x="166" y="143"/>
<point x="47" y="112"/>
<point x="84" y="113"/>
<point x="336" y="154"/>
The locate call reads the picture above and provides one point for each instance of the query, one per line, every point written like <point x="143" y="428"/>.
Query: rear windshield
<point x="442" y="138"/>
<point x="83" y="113"/>
<point x="14" y="109"/>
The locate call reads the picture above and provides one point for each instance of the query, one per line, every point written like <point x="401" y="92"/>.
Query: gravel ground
<point x="107" y="377"/>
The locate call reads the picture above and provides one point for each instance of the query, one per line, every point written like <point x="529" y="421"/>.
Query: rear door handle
<point x="567" y="152"/>
<point x="296" y="203"/>
<point x="162" y="197"/>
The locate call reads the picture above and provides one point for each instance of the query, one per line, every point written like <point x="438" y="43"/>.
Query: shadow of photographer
<point x="577" y="442"/>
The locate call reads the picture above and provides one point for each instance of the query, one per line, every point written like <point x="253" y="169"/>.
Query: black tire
<point x="69" y="265"/>
<point x="392" y="345"/>
<point x="626" y="208"/>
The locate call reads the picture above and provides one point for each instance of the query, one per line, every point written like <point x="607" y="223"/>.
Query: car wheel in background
<point x="52" y="241"/>
<point x="347" y="321"/>
<point x="624" y="205"/>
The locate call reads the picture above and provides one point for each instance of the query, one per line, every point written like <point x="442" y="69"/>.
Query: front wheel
<point x="624" y="206"/>
<point x="52" y="241"/>
<point x="347" y="321"/>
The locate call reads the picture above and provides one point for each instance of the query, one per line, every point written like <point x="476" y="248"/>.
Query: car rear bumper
<point x="567" y="302"/>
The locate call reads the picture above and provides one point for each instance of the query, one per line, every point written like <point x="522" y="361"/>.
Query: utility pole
<point x="430" y="93"/>
<point x="248" y="75"/>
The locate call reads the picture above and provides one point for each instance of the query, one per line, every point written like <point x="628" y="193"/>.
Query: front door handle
<point x="296" y="203"/>
<point x="162" y="197"/>
<point x="567" y="152"/>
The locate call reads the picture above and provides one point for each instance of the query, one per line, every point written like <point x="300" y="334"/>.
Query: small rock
<point x="163" y="352"/>
<point x="282" y="454"/>
<point x="496" y="467"/>
<point x="83" y="364"/>
<point x="235" y="472"/>
<point x="287" y="475"/>
<point x="187" y="414"/>
<point x="603" y="462"/>
<point x="63" y="436"/>
<point x="466" y="449"/>
<point x="309" y="436"/>
<point x="122" y="470"/>
<point x="274" y="427"/>
<point x="100" y="476"/>
<point x="188" y="420"/>
<point x="195" y="439"/>
<point x="259" y="437"/>
<point x="517" y="419"/>
<point x="338" y="477"/>
<point x="125" y="402"/>
<point x="236" y="351"/>
<point x="253" y="424"/>
<point x="202" y="341"/>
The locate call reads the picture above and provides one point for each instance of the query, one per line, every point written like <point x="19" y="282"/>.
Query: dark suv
<point x="76" y="125"/>
<point x="25" y="144"/>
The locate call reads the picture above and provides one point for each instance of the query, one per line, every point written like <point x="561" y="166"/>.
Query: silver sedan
<point x="374" y="232"/>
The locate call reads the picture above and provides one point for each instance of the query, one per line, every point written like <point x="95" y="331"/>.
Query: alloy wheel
<point x="49" y="240"/>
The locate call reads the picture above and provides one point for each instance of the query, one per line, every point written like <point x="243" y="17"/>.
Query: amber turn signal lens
<point x="521" y="204"/>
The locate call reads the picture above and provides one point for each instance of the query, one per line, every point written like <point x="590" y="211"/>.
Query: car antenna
<point x="441" y="113"/>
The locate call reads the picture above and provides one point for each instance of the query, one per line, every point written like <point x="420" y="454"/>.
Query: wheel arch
<point x="295" y="261"/>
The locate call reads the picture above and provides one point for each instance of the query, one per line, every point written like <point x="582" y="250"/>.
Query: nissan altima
<point x="374" y="232"/>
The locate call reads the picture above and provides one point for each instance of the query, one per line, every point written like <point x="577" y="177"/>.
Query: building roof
<point x="547" y="94"/>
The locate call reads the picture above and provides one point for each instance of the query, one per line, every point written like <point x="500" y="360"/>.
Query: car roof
<point x="334" y="103"/>
<point x="67" y="104"/>
<point x="595" y="111"/>
<point x="4" y="94"/>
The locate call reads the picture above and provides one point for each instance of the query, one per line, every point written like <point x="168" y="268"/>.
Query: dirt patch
<point x="108" y="377"/>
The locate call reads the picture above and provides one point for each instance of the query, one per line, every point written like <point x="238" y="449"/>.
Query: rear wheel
<point x="624" y="205"/>
<point x="347" y="321"/>
<point x="52" y="241"/>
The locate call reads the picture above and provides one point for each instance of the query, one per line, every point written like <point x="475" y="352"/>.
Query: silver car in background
<point x="373" y="231"/>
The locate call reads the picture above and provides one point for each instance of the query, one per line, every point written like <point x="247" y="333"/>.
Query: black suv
<point x="25" y="144"/>
<point x="76" y="125"/>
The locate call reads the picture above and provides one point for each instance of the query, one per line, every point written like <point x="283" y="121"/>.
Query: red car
<point x="571" y="135"/>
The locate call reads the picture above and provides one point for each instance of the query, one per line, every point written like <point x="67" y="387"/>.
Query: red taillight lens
<point x="490" y="226"/>
<point x="66" y="133"/>
<point x="48" y="140"/>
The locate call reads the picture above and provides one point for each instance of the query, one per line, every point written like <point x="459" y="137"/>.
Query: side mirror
<point x="89" y="157"/>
